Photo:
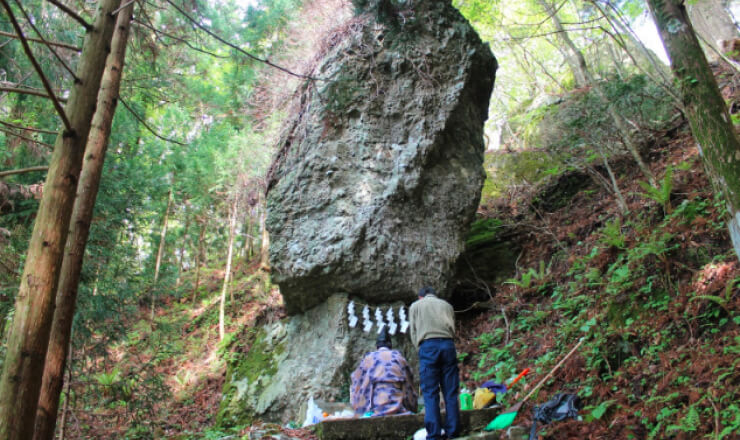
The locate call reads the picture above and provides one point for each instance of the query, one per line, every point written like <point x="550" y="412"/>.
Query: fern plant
<point x="662" y="194"/>
<point x="530" y="276"/>
<point x="612" y="234"/>
<point x="689" y="423"/>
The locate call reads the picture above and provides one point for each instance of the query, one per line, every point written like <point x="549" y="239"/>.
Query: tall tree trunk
<point x="28" y="340"/>
<point x="87" y="191"/>
<point x="182" y="248"/>
<point x="160" y="251"/>
<point x="248" y="237"/>
<point x="573" y="56"/>
<point x="200" y="257"/>
<point x="227" y="275"/>
<point x="706" y="110"/>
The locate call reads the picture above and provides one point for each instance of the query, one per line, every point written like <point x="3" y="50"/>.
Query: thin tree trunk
<point x="704" y="107"/>
<point x="227" y="275"/>
<point x="182" y="248"/>
<point x="578" y="64"/>
<point x="248" y="237"/>
<point x="87" y="191"/>
<point x="573" y="56"/>
<point x="199" y="258"/>
<point x="160" y="252"/>
<point x="28" y="340"/>
<point x="622" y="30"/>
<point x="615" y="186"/>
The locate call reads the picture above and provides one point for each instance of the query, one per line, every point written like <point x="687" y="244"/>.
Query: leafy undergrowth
<point x="164" y="380"/>
<point x="653" y="292"/>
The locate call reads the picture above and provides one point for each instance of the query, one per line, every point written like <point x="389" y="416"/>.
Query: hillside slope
<point x="654" y="292"/>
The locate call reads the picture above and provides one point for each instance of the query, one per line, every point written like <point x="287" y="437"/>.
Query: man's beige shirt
<point x="431" y="317"/>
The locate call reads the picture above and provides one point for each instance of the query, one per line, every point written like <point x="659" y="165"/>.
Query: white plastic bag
<point x="420" y="434"/>
<point x="313" y="413"/>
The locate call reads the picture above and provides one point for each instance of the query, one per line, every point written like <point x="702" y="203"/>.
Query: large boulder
<point x="380" y="169"/>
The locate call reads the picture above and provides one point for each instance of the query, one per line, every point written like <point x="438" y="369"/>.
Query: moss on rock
<point x="248" y="376"/>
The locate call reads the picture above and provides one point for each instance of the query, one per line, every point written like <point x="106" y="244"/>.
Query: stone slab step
<point x="400" y="427"/>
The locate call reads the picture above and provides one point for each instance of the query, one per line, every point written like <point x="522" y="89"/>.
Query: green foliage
<point x="580" y="123"/>
<point x="721" y="301"/>
<point x="482" y="231"/>
<point x="108" y="379"/>
<point x="612" y="234"/>
<point x="531" y="277"/>
<point x="689" y="423"/>
<point x="598" y="411"/>
<point x="662" y="194"/>
<point x="509" y="170"/>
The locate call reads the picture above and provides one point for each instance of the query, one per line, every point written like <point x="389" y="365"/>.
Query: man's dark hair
<point x="424" y="291"/>
<point x="384" y="339"/>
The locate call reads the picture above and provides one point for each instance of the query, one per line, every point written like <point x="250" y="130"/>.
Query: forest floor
<point x="655" y="292"/>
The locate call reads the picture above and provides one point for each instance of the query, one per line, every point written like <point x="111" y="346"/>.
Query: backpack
<point x="561" y="407"/>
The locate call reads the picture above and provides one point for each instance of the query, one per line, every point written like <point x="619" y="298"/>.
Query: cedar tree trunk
<point x="227" y="276"/>
<point x="160" y="252"/>
<point x="28" y="339"/>
<point x="87" y="191"/>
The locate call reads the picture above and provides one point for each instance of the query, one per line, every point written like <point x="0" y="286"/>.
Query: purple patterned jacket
<point x="384" y="384"/>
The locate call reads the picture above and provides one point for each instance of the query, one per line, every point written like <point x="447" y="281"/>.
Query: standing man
<point x="432" y="328"/>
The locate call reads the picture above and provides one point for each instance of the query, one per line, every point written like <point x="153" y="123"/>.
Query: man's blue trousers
<point x="438" y="368"/>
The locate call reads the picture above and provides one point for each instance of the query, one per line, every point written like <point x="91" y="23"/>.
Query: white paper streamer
<point x="379" y="319"/>
<point x="351" y="314"/>
<point x="391" y="324"/>
<point x="367" y="324"/>
<point x="402" y="317"/>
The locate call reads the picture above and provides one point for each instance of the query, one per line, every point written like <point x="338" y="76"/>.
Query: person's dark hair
<point x="424" y="291"/>
<point x="384" y="339"/>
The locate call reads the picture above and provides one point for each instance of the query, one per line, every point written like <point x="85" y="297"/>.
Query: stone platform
<point x="402" y="427"/>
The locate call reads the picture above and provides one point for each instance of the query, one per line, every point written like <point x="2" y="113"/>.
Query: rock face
<point x="308" y="355"/>
<point x="379" y="172"/>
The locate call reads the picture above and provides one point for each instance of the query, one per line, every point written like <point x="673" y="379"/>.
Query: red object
<point x="522" y="374"/>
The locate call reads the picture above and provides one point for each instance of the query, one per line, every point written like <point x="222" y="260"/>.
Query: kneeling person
<point x="383" y="383"/>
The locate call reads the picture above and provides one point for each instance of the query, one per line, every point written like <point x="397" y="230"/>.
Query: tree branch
<point x="157" y="31"/>
<point x="122" y="7"/>
<point x="237" y="48"/>
<point x="143" y="122"/>
<point x="10" y="132"/>
<point x="88" y="27"/>
<point x="23" y="170"/>
<point x="36" y="40"/>
<point x="20" y="127"/>
<point x="51" y="49"/>
<point x="25" y="91"/>
<point x="590" y="28"/>
<point x="36" y="66"/>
